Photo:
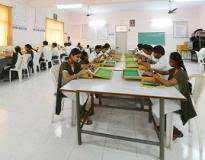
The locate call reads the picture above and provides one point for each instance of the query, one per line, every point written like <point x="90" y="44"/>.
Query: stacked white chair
<point x="54" y="74"/>
<point x="23" y="66"/>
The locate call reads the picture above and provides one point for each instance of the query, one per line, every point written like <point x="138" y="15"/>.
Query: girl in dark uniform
<point x="178" y="77"/>
<point x="70" y="70"/>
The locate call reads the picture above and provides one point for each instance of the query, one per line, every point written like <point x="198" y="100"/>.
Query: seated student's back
<point x="54" y="50"/>
<point x="68" y="48"/>
<point x="46" y="48"/>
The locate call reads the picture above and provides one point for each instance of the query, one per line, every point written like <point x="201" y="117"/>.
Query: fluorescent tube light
<point x="97" y="23"/>
<point x="69" y="6"/>
<point x="187" y="0"/>
<point x="161" y="22"/>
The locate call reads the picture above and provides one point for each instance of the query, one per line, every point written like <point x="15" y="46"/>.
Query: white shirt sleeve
<point x="92" y="56"/>
<point x="100" y="54"/>
<point x="162" y="64"/>
<point x="55" y="52"/>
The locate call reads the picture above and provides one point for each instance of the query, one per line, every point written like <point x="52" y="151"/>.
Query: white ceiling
<point x="97" y="6"/>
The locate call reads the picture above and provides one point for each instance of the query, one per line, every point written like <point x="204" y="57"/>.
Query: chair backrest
<point x="200" y="58"/>
<point x="25" y="61"/>
<point x="48" y="55"/>
<point x="36" y="58"/>
<point x="18" y="64"/>
<point x="54" y="74"/>
<point x="199" y="81"/>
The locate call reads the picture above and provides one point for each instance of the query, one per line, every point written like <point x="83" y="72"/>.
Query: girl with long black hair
<point x="71" y="70"/>
<point x="178" y="77"/>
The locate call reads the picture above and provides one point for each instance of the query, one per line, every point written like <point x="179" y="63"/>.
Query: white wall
<point x="25" y="16"/>
<point x="143" y="24"/>
<point x="30" y="18"/>
<point x="201" y="17"/>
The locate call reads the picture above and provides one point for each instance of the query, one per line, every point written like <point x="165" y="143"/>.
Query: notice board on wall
<point x="151" y="38"/>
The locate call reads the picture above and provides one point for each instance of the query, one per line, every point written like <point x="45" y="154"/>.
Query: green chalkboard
<point x="151" y="38"/>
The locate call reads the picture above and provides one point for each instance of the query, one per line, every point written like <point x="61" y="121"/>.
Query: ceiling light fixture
<point x="187" y="0"/>
<point x="161" y="22"/>
<point x="70" y="6"/>
<point x="97" y="24"/>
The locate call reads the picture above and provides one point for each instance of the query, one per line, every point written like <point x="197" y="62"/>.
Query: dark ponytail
<point x="178" y="59"/>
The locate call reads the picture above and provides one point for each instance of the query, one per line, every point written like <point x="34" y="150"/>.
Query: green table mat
<point x="109" y="63"/>
<point x="131" y="64"/>
<point x="103" y="73"/>
<point x="134" y="73"/>
<point x="129" y="56"/>
<point x="129" y="59"/>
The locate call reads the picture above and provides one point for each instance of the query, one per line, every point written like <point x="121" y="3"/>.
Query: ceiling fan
<point x="88" y="14"/>
<point x="171" y="11"/>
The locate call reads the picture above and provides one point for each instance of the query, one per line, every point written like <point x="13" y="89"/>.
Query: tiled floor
<point x="27" y="134"/>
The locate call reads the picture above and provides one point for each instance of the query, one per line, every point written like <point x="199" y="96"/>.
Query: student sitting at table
<point x="108" y="49"/>
<point x="55" y="51"/>
<point x="71" y="70"/>
<point x="138" y="50"/>
<point x="103" y="54"/>
<point x="96" y="54"/>
<point x="16" y="62"/>
<point x="161" y="61"/>
<point x="88" y="49"/>
<point x="68" y="47"/>
<point x="178" y="77"/>
<point x="65" y="51"/>
<point x="29" y="50"/>
<point x="84" y="60"/>
<point x="44" y="50"/>
<point x="79" y="46"/>
<point x="147" y="52"/>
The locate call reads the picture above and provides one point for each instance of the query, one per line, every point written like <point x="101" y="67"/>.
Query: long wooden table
<point x="118" y="86"/>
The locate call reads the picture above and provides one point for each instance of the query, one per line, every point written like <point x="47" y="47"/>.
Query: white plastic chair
<point x="170" y="106"/>
<point x="36" y="63"/>
<point x="65" y="100"/>
<point x="47" y="59"/>
<point x="56" y="60"/>
<point x="23" y="66"/>
<point x="199" y="81"/>
<point x="201" y="61"/>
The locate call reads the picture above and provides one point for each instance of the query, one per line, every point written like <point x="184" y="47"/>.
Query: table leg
<point x="100" y="99"/>
<point x="142" y="103"/>
<point x="161" y="103"/>
<point x="92" y="103"/>
<point x="78" y="117"/>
